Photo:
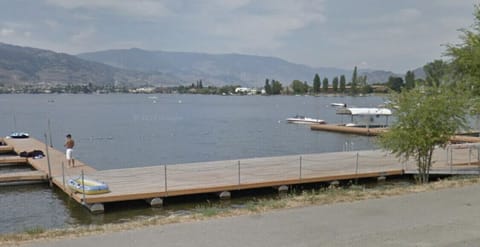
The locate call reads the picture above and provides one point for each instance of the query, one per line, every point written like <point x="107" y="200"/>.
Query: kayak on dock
<point x="88" y="186"/>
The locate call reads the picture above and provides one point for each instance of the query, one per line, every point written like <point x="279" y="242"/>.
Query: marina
<point x="127" y="142"/>
<point x="155" y="183"/>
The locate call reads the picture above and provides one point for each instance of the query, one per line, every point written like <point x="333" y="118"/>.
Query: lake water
<point x="125" y="130"/>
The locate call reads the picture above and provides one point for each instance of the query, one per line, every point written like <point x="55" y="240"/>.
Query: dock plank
<point x="22" y="176"/>
<point x="12" y="159"/>
<point x="6" y="149"/>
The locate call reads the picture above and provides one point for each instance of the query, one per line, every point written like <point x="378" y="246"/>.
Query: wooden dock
<point x="12" y="159"/>
<point x="347" y="129"/>
<point x="377" y="131"/>
<point x="155" y="183"/>
<point x="27" y="176"/>
<point x="6" y="149"/>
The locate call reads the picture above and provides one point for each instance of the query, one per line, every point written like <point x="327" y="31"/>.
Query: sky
<point x="375" y="34"/>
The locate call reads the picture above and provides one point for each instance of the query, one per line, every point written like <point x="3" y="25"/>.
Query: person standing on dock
<point x="69" y="152"/>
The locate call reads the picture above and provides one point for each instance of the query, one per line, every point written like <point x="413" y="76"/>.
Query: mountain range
<point x="136" y="67"/>
<point x="25" y="65"/>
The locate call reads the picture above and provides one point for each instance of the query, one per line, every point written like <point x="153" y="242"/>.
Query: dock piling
<point x="356" y="169"/>
<point x="300" y="168"/>
<point x="50" y="133"/>
<point x="63" y="174"/>
<point x="282" y="189"/>
<point x="155" y="202"/>
<point x="165" y="178"/>
<point x="238" y="172"/>
<point x="48" y="162"/>
<point x="83" y="188"/>
<point x="224" y="195"/>
<point x="96" y="208"/>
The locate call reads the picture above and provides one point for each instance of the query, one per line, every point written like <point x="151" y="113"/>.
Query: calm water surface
<point x="124" y="130"/>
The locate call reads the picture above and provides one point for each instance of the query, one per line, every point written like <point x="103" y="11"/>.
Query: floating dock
<point x="348" y="130"/>
<point x="377" y="131"/>
<point x="154" y="183"/>
<point x="12" y="159"/>
<point x="5" y="149"/>
<point x="28" y="176"/>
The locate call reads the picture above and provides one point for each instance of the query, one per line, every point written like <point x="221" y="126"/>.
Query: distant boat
<point x="304" y="120"/>
<point x="338" y="104"/>
<point x="19" y="135"/>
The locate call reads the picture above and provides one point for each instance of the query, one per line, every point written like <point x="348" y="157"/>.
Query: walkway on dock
<point x="228" y="175"/>
<point x="339" y="128"/>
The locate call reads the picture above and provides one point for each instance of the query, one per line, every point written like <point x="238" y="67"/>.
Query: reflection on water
<point x="119" y="131"/>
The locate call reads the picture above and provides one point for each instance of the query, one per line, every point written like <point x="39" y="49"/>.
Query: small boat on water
<point x="304" y="120"/>
<point x="88" y="186"/>
<point x="338" y="104"/>
<point x="19" y="135"/>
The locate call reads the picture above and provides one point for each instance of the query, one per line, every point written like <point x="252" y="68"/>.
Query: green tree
<point x="276" y="87"/>
<point x="395" y="83"/>
<point x="435" y="72"/>
<point x="325" y="85"/>
<point x="316" y="84"/>
<point x="298" y="87"/>
<point x="466" y="56"/>
<point x="409" y="80"/>
<point x="307" y="87"/>
<point x="426" y="118"/>
<point x="465" y="63"/>
<point x="353" y="85"/>
<point x="335" y="84"/>
<point x="343" y="83"/>
<point x="199" y="84"/>
<point x="364" y="87"/>
<point x="268" y="87"/>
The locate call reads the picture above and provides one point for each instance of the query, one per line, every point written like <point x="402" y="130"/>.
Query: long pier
<point x="154" y="183"/>
<point x="377" y="131"/>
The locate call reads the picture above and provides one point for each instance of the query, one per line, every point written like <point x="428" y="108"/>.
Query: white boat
<point x="304" y="120"/>
<point x="88" y="186"/>
<point x="18" y="135"/>
<point x="338" y="104"/>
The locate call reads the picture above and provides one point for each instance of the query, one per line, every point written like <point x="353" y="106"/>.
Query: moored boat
<point x="88" y="186"/>
<point x="18" y="135"/>
<point x="304" y="120"/>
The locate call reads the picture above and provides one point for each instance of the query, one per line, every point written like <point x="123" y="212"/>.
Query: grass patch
<point x="35" y="230"/>
<point x="208" y="211"/>
<point x="328" y="195"/>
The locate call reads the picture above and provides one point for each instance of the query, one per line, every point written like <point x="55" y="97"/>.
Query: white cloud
<point x="52" y="24"/>
<point x="84" y="36"/>
<point x="240" y="25"/>
<point x="138" y="8"/>
<point x="264" y="27"/>
<point x="7" y="32"/>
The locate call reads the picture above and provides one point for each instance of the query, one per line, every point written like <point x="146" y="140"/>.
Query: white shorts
<point x="69" y="153"/>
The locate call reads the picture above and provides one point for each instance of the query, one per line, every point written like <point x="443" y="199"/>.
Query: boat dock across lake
<point x="155" y="183"/>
